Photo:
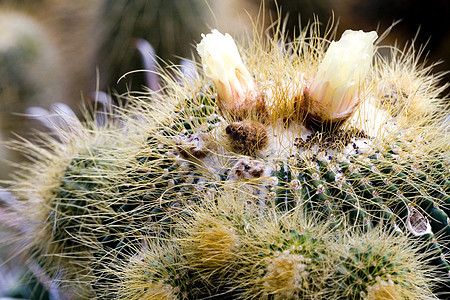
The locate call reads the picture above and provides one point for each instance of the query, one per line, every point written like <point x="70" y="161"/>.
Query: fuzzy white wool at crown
<point x="282" y="140"/>
<point x="373" y="120"/>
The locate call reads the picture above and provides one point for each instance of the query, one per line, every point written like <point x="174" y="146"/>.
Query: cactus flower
<point x="223" y="64"/>
<point x="334" y="90"/>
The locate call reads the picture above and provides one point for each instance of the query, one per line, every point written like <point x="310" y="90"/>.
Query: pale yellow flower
<point x="334" y="91"/>
<point x="223" y="64"/>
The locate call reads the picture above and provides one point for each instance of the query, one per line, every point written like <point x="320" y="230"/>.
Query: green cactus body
<point x="364" y="268"/>
<point x="373" y="270"/>
<point x="306" y="251"/>
<point x="82" y="176"/>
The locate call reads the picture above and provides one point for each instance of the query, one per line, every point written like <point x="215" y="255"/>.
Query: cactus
<point x="221" y="250"/>
<point x="299" y="170"/>
<point x="375" y="265"/>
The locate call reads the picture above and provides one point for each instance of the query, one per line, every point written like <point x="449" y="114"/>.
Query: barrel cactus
<point x="307" y="169"/>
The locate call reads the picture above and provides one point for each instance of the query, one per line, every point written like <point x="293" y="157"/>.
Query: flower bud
<point x="223" y="64"/>
<point x="334" y="92"/>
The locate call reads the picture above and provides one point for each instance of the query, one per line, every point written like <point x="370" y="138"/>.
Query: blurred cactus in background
<point x="29" y="72"/>
<point x="170" y="26"/>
